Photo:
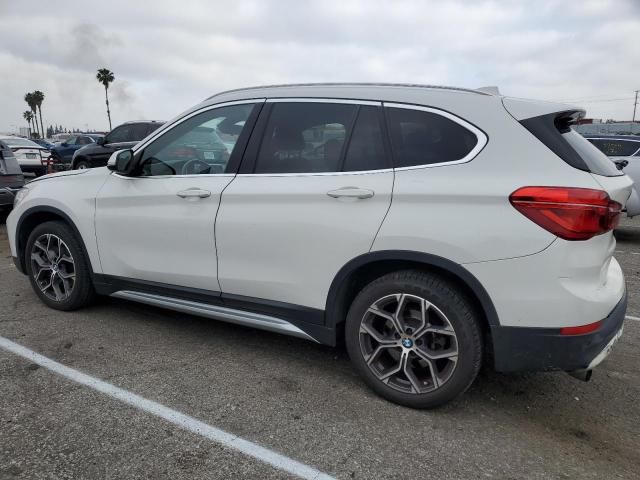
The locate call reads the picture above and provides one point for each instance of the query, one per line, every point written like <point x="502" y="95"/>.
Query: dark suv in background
<point x="123" y="136"/>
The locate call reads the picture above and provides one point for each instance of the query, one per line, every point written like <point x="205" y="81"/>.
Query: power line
<point x="578" y="99"/>
<point x="626" y="99"/>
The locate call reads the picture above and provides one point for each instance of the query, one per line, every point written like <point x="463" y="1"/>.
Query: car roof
<point x="633" y="138"/>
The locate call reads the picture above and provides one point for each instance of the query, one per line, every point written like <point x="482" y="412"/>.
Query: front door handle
<point x="194" y="193"/>
<point x="351" y="192"/>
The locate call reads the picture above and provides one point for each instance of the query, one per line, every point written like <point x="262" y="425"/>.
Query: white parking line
<point x="180" y="419"/>
<point x="631" y="317"/>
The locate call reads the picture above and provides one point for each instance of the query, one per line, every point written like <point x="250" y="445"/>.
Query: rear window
<point x="615" y="148"/>
<point x="554" y="130"/>
<point x="21" y="142"/>
<point x="597" y="161"/>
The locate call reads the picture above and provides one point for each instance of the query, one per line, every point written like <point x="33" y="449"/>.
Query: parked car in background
<point x="44" y="143"/>
<point x="341" y="219"/>
<point x="29" y="154"/>
<point x="123" y="136"/>
<point x="11" y="178"/>
<point x="624" y="150"/>
<point x="63" y="153"/>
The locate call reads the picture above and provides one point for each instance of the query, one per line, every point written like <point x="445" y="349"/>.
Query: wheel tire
<point x="81" y="165"/>
<point x="449" y="309"/>
<point x="81" y="292"/>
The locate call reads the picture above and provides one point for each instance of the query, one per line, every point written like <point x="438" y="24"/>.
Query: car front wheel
<point x="56" y="266"/>
<point x="415" y="338"/>
<point x="82" y="164"/>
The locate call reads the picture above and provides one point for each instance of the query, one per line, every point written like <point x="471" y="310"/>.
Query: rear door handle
<point x="194" y="193"/>
<point x="351" y="192"/>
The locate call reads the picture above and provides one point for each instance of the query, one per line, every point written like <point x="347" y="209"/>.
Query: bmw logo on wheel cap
<point x="407" y="343"/>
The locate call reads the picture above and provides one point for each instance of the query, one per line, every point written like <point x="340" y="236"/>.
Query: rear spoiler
<point x="521" y="108"/>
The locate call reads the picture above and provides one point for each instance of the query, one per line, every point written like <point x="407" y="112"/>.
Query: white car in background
<point x="29" y="154"/>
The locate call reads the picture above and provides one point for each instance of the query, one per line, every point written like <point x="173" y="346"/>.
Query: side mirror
<point x="100" y="141"/>
<point x="121" y="161"/>
<point x="63" y="144"/>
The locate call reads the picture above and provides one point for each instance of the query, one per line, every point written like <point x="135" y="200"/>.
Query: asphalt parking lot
<point x="293" y="397"/>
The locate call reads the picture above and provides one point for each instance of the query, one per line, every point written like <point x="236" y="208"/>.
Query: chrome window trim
<point x="480" y="135"/>
<point x="316" y="174"/>
<point x="157" y="134"/>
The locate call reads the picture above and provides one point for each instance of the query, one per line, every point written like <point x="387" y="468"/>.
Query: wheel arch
<point x="79" y="158"/>
<point x="33" y="217"/>
<point x="360" y="271"/>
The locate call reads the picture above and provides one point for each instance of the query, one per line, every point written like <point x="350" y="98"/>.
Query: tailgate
<point x="619" y="188"/>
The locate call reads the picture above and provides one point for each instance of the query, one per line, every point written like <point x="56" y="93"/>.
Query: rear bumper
<point x="543" y="349"/>
<point x="633" y="204"/>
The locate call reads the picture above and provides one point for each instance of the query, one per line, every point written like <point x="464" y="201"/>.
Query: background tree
<point x="32" y="105"/>
<point x="38" y="98"/>
<point x="28" y="116"/>
<point x="105" y="77"/>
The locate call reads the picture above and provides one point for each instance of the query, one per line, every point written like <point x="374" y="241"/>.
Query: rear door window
<point x="305" y="137"/>
<point x="421" y="137"/>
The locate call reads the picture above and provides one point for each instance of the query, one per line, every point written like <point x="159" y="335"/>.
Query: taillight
<point x="569" y="213"/>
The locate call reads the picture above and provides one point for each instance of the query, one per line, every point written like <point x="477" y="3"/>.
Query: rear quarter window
<point x="420" y="137"/>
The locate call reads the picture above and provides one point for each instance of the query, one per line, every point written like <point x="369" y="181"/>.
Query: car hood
<point x="88" y="171"/>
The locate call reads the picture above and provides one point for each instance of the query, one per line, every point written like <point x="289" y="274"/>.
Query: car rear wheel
<point x="415" y="338"/>
<point x="57" y="268"/>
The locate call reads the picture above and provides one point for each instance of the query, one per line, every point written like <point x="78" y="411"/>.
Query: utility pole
<point x="635" y="104"/>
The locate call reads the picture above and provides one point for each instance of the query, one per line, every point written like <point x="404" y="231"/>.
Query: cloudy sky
<point x="168" y="55"/>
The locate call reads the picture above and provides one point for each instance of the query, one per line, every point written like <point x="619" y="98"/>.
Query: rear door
<point x="313" y="189"/>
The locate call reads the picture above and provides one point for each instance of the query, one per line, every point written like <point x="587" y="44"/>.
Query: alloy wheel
<point x="52" y="267"/>
<point x="408" y="343"/>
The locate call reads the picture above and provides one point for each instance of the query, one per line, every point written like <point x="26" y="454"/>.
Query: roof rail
<point x="355" y="84"/>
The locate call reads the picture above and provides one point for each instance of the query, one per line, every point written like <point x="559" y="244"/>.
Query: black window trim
<point x="482" y="137"/>
<point x="247" y="167"/>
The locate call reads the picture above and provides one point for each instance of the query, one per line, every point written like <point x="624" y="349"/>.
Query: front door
<point x="159" y="225"/>
<point x="319" y="187"/>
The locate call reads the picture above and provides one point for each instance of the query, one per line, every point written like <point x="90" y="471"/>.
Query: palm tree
<point x="38" y="98"/>
<point x="105" y="77"/>
<point x="28" y="116"/>
<point x="32" y="105"/>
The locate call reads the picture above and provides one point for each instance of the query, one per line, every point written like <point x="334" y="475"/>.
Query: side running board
<point x="249" y="319"/>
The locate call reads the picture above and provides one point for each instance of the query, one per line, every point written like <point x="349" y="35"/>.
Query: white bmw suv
<point x="431" y="228"/>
